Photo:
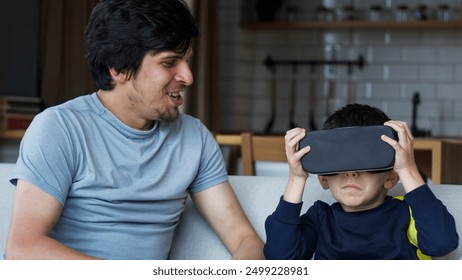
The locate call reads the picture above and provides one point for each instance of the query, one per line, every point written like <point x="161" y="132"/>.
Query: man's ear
<point x="323" y="181"/>
<point x="118" y="76"/>
<point x="391" y="180"/>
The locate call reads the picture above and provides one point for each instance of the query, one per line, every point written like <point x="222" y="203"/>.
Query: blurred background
<point x="261" y="65"/>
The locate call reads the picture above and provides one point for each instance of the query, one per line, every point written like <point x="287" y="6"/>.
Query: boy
<point x="364" y="223"/>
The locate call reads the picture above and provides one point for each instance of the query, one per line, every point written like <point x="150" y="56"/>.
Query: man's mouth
<point x="174" y="95"/>
<point x="176" y="98"/>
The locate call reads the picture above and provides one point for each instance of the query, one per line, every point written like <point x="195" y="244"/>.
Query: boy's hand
<point x="297" y="176"/>
<point x="292" y="138"/>
<point x="405" y="165"/>
<point x="404" y="147"/>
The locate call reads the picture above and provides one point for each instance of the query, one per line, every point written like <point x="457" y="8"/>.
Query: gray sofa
<point x="258" y="196"/>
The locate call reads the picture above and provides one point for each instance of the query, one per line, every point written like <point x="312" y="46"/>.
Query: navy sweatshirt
<point x="327" y="232"/>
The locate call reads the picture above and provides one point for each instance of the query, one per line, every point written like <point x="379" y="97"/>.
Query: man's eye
<point x="169" y="63"/>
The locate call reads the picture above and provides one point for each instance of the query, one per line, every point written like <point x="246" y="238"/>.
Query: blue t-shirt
<point x="122" y="190"/>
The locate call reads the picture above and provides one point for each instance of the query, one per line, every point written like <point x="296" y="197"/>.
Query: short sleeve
<point x="45" y="156"/>
<point x="212" y="168"/>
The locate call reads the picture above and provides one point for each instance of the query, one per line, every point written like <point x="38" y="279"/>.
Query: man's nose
<point x="184" y="74"/>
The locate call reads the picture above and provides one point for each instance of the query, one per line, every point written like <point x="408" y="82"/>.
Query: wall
<point x="18" y="57"/>
<point x="19" y="48"/>
<point x="399" y="64"/>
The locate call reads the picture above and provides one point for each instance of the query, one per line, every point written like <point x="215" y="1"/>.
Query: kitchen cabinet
<point x="307" y="25"/>
<point x="439" y="159"/>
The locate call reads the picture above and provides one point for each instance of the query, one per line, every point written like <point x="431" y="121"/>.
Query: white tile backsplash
<point x="439" y="37"/>
<point x="419" y="54"/>
<point x="450" y="55"/>
<point x="458" y="72"/>
<point x="386" y="54"/>
<point x="403" y="72"/>
<point x="399" y="63"/>
<point x="436" y="73"/>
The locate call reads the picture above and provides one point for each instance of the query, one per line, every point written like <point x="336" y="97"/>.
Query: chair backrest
<point x="228" y="139"/>
<point x="260" y="148"/>
<point x="231" y="146"/>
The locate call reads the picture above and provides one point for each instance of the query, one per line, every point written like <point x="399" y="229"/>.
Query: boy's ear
<point x="391" y="180"/>
<point x="323" y="181"/>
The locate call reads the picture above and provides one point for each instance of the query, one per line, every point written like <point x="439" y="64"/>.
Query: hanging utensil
<point x="270" y="123"/>
<point x="416" y="132"/>
<point x="312" y="99"/>
<point x="350" y="86"/>
<point x="330" y="99"/>
<point x="331" y="53"/>
<point x="293" y="98"/>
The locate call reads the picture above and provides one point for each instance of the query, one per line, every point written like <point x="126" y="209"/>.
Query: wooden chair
<point x="260" y="148"/>
<point x="231" y="142"/>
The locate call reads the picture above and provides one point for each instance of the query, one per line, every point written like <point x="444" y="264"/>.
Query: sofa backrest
<point x="259" y="196"/>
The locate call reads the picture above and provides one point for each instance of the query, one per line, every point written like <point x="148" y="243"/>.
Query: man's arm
<point x="34" y="214"/>
<point x="222" y="210"/>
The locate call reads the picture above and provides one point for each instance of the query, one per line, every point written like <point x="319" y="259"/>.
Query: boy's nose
<point x="351" y="174"/>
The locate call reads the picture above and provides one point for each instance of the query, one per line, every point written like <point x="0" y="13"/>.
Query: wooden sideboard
<point x="440" y="159"/>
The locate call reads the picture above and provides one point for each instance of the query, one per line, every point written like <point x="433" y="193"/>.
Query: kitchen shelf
<point x="302" y="25"/>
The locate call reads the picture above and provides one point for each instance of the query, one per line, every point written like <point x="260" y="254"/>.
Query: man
<point x="106" y="175"/>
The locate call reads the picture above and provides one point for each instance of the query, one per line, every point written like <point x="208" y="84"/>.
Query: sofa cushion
<point x="258" y="195"/>
<point x="451" y="196"/>
<point x="6" y="201"/>
<point x="194" y="239"/>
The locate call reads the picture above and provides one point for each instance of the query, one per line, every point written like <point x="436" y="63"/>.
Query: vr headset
<point x="348" y="149"/>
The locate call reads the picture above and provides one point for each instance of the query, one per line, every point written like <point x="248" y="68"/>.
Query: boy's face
<point x="358" y="191"/>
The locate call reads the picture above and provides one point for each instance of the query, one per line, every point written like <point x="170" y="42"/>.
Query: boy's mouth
<point x="352" y="186"/>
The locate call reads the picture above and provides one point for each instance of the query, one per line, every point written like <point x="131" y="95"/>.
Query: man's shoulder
<point x="188" y="118"/>
<point x="187" y="124"/>
<point x="62" y="115"/>
<point x="81" y="105"/>
<point x="83" y="102"/>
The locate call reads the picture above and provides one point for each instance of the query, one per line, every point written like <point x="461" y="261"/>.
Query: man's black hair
<point x="121" y="32"/>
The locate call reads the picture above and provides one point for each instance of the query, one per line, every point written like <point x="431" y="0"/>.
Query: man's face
<point x="155" y="91"/>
